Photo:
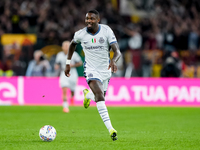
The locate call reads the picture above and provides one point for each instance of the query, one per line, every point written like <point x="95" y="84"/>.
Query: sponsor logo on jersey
<point x="94" y="40"/>
<point x="101" y="40"/>
<point x="93" y="47"/>
<point x="85" y="42"/>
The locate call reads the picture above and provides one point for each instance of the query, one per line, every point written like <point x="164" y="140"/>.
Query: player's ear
<point x="98" y="20"/>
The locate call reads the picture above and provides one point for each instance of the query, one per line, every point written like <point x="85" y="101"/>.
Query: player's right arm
<point x="72" y="48"/>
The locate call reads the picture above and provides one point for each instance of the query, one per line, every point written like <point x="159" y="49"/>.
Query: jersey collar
<point x="96" y="32"/>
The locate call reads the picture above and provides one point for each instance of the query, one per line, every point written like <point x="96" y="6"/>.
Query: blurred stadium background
<point x="151" y="33"/>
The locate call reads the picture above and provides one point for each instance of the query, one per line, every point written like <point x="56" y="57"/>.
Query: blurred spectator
<point x="6" y="67"/>
<point x="134" y="45"/>
<point x="135" y="41"/>
<point x="170" y="69"/>
<point x="193" y="39"/>
<point x="172" y="65"/>
<point x="39" y="66"/>
<point x="146" y="64"/>
<point x="20" y="64"/>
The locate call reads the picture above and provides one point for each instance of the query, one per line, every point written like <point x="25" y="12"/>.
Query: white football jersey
<point x="96" y="47"/>
<point x="61" y="59"/>
<point x="64" y="80"/>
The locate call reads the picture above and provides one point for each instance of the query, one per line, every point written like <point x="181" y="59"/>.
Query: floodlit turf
<point x="152" y="128"/>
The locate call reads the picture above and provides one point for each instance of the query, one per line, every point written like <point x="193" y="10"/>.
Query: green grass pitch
<point x="139" y="128"/>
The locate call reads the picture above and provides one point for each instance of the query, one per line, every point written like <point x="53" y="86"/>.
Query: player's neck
<point x="95" y="30"/>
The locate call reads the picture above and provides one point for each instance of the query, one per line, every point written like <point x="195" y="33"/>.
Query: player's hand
<point x="67" y="70"/>
<point x="113" y="66"/>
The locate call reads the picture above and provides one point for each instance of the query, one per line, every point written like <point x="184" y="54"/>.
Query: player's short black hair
<point x="94" y="11"/>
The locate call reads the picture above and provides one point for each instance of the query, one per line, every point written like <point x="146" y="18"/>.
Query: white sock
<point x="90" y="95"/>
<point x="65" y="104"/>
<point x="102" y="109"/>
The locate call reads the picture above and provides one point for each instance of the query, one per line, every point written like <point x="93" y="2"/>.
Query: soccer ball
<point x="47" y="133"/>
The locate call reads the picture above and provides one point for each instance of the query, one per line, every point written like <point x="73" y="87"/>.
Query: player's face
<point x="91" y="21"/>
<point x="65" y="47"/>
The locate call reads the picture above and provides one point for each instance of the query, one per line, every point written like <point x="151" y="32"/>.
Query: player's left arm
<point x="116" y="56"/>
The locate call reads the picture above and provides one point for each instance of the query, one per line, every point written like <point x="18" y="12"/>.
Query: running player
<point x="95" y="40"/>
<point x="65" y="82"/>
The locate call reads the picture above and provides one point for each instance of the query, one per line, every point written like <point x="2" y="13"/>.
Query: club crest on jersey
<point x="101" y="40"/>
